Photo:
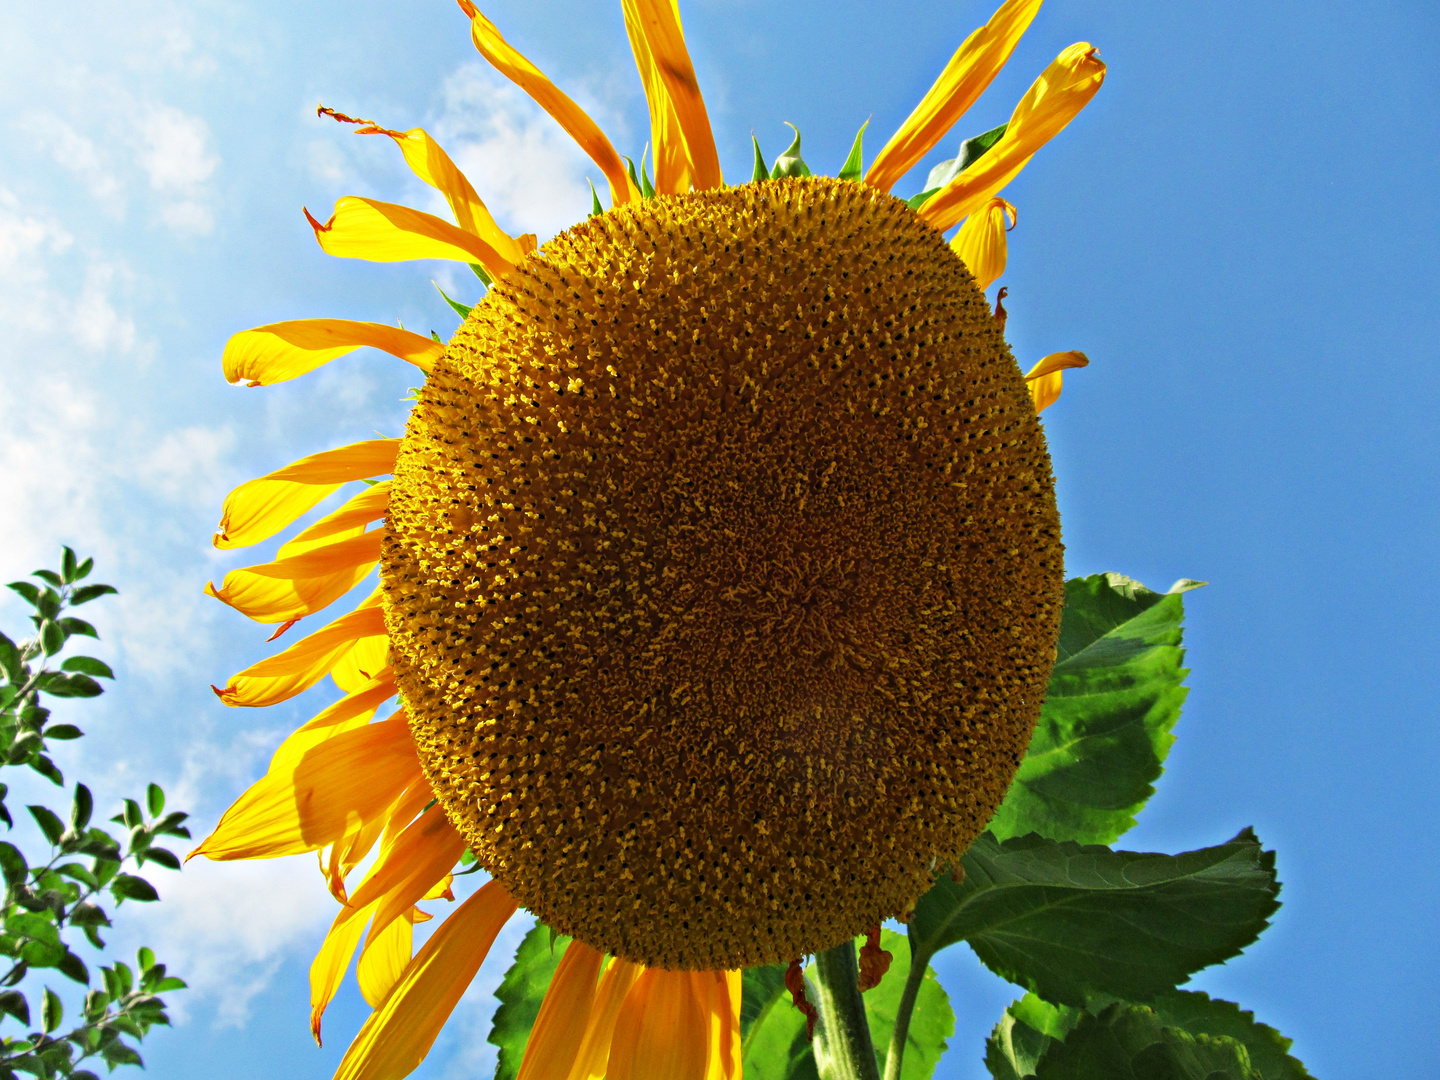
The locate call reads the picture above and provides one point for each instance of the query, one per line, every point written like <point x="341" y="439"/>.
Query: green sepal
<point x="595" y="208"/>
<point x="917" y="201"/>
<point x="1105" y="728"/>
<point x="971" y="151"/>
<point x="790" y="163"/>
<point x="481" y="273"/>
<point x="630" y="170"/>
<point x="460" y="309"/>
<point x="520" y="995"/>
<point x="647" y="189"/>
<point x="854" y="168"/>
<point x="1069" y="921"/>
<point x="762" y="171"/>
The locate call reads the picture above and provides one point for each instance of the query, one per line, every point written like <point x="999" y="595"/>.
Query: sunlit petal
<point x="980" y="243"/>
<point x="610" y="995"/>
<point x="388" y="232"/>
<point x="672" y="160"/>
<point x="286" y="350"/>
<point x="560" y="1026"/>
<point x="661" y="1030"/>
<point x="1045" y="378"/>
<point x="660" y="23"/>
<point x="303" y="664"/>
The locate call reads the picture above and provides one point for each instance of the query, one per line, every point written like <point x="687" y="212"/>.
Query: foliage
<point x="49" y="898"/>
<point x="1100" y="938"/>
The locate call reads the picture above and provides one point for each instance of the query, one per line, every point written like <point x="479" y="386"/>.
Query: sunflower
<point x="719" y="571"/>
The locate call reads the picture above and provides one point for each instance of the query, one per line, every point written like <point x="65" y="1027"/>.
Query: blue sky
<point x="1240" y="232"/>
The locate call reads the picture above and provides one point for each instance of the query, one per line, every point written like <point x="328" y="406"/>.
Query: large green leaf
<point x="520" y="995"/>
<point x="931" y="1024"/>
<point x="1129" y="1042"/>
<point x="1068" y="921"/>
<point x="1028" y="1029"/>
<point x="1200" y="1014"/>
<point x="772" y="1031"/>
<point x="1105" y="728"/>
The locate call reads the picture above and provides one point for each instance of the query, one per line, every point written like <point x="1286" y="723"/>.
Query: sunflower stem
<point x="843" y="1050"/>
<point x="895" y="1055"/>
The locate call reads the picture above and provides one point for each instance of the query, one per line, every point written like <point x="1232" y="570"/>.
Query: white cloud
<point x="174" y="152"/>
<point x="79" y="155"/>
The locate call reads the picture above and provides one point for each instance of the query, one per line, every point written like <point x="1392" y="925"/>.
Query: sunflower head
<point x="723" y="572"/>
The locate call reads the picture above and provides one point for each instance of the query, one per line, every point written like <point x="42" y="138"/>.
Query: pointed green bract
<point x="762" y="171"/>
<point x="460" y="309"/>
<point x="630" y="170"/>
<point x="595" y="208"/>
<point x="931" y="1024"/>
<point x="971" y="151"/>
<point x="1069" y="922"/>
<point x="481" y="274"/>
<point x="1129" y="1042"/>
<point x="1105" y="728"/>
<point x="520" y="995"/>
<point x="790" y="162"/>
<point x="647" y="189"/>
<point x="854" y="167"/>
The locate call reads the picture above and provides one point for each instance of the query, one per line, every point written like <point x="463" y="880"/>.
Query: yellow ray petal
<point x="972" y="68"/>
<point x="660" y="23"/>
<point x="672" y="161"/>
<point x="661" y="1030"/>
<point x="577" y="123"/>
<point x="418" y="796"/>
<point x="327" y="970"/>
<point x="361" y="509"/>
<point x="366" y="656"/>
<point x="719" y="993"/>
<point x="980" y="243"/>
<point x="302" y="584"/>
<point x="387" y="232"/>
<point x="1044" y="379"/>
<point x="286" y="350"/>
<point x="610" y="995"/>
<point x="560" y="1025"/>
<point x="339" y="783"/>
<point x="422" y="855"/>
<point x="260" y="508"/>
<point x="400" y="1033"/>
<point x="303" y="664"/>
<point x="348" y="852"/>
<point x="384" y="959"/>
<point x="1053" y="100"/>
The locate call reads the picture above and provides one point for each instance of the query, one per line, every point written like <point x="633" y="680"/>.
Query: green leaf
<point x="1068" y="921"/>
<point x="86" y="593"/>
<point x="63" y="732"/>
<point x="971" y="151"/>
<point x="75" y="626"/>
<point x="762" y="171"/>
<point x="50" y="578"/>
<point x="130" y="887"/>
<point x="1105" y="727"/>
<point x="647" y="189"/>
<point x="481" y="273"/>
<point x="931" y="1024"/>
<point x="88" y="665"/>
<point x="52" y="638"/>
<point x="47" y="768"/>
<point x="28" y="590"/>
<point x="1029" y="1027"/>
<point x="595" y="208"/>
<point x="460" y="309"/>
<point x="52" y="1012"/>
<point x="13" y="1003"/>
<point x="73" y="685"/>
<point x="520" y="995"/>
<point x="761" y="989"/>
<point x="163" y="856"/>
<point x="790" y="163"/>
<point x="67" y="564"/>
<point x="917" y="201"/>
<point x="83" y="570"/>
<point x="10" y="660"/>
<point x="49" y="822"/>
<point x="854" y="168"/>
<point x="155" y="800"/>
<point x="1129" y="1042"/>
<point x="773" y="1043"/>
<point x="1200" y="1014"/>
<point x="13" y="865"/>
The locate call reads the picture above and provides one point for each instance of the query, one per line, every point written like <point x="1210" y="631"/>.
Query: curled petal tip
<point x="468" y="8"/>
<point x="315" y="224"/>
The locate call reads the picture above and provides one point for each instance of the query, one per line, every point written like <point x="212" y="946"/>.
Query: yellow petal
<point x="387" y="232"/>
<point x="327" y="970"/>
<point x="384" y="959"/>
<point x="431" y="164"/>
<point x="400" y="1033"/>
<point x="348" y="852"/>
<point x="361" y="509"/>
<point x="1063" y="89"/>
<point x="303" y="584"/>
<point x="418" y="796"/>
<point x="340" y="782"/>
<point x="576" y="122"/>
<point x="980" y="243"/>
<point x="661" y="1030"/>
<point x="719" y="993"/>
<point x="286" y="350"/>
<point x="258" y="509"/>
<point x="560" y="1025"/>
<point x="366" y="656"/>
<point x="423" y="854"/>
<point x="660" y="23"/>
<point x="615" y="985"/>
<point x="1044" y="379"/>
<point x="972" y="68"/>
<point x="303" y="664"/>
<point x="672" y="160"/>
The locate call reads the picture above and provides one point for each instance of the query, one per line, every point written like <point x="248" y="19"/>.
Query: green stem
<point x="901" y="1031"/>
<point x="844" y="1050"/>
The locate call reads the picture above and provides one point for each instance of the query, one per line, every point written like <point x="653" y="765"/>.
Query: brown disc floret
<point x="724" y="572"/>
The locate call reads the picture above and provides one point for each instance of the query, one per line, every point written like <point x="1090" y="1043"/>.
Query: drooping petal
<point x="1053" y="100"/>
<point x="661" y="1030"/>
<point x="260" y="508"/>
<point x="291" y="588"/>
<point x="559" y="1027"/>
<point x="348" y="852"/>
<point x="361" y="509"/>
<point x="594" y="1053"/>
<point x="972" y="68"/>
<point x="400" y="1033"/>
<point x="339" y="782"/>
<point x="1044" y="379"/>
<point x="327" y="970"/>
<point x="980" y="243"/>
<point x="660" y="23"/>
<point x="672" y="160"/>
<point x="286" y="350"/>
<point x="303" y="664"/>
<point x="719" y="993"/>
<point x="422" y="855"/>
<point x="384" y="960"/>
<point x="388" y="232"/>
<point x="577" y="123"/>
